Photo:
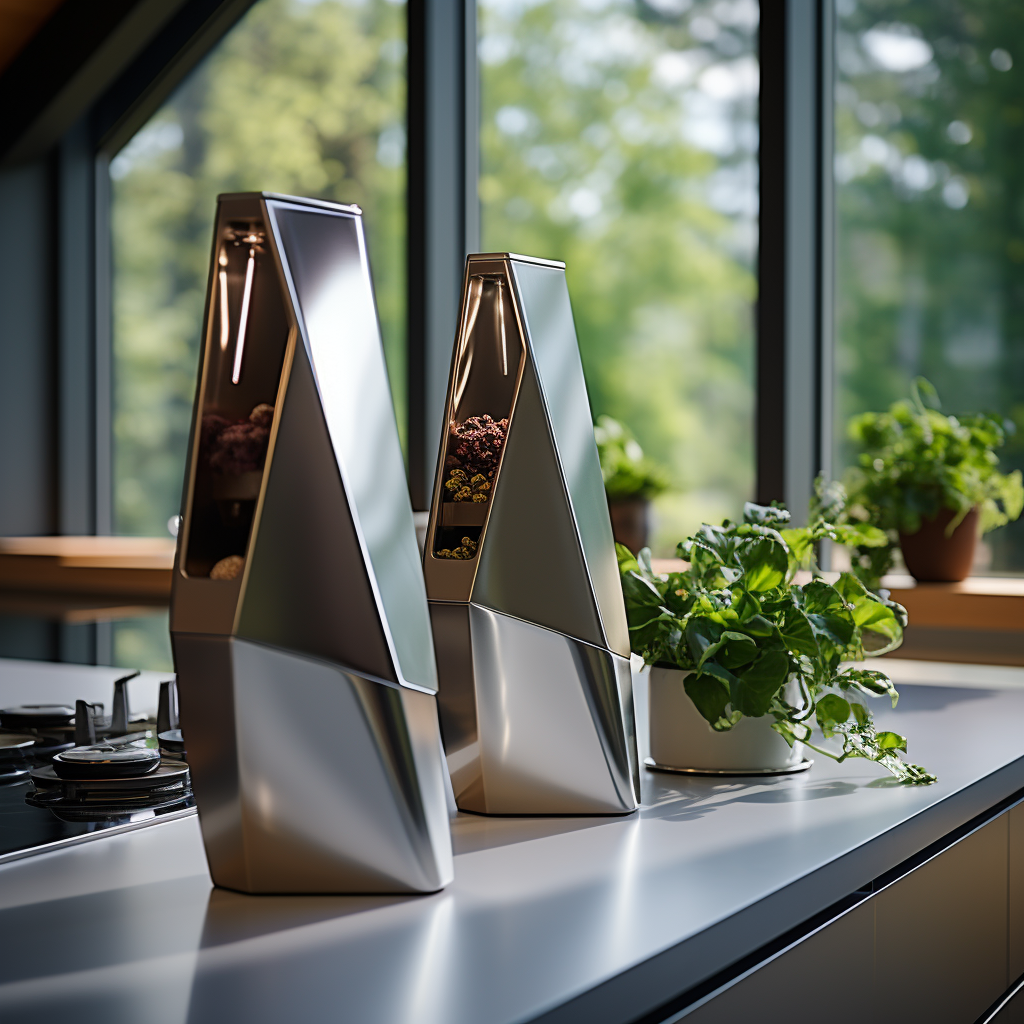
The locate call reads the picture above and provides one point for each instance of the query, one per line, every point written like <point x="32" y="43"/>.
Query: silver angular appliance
<point x="299" y="619"/>
<point x="528" y="616"/>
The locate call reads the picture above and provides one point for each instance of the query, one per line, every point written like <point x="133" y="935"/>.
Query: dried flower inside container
<point x="475" y="445"/>
<point x="467" y="488"/>
<point x="465" y="551"/>
<point x="474" y="452"/>
<point x="234" y="448"/>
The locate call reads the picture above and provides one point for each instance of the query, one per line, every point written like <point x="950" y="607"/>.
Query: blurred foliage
<point x="930" y="204"/>
<point x="915" y="461"/>
<point x="620" y="136"/>
<point x="304" y="98"/>
<point x="626" y="471"/>
<point x="143" y="643"/>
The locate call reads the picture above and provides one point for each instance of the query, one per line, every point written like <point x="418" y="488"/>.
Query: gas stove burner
<point x="100" y="799"/>
<point x="52" y="727"/>
<point x="106" y="761"/>
<point x="172" y="743"/>
<point x="14" y="748"/>
<point x="37" y="716"/>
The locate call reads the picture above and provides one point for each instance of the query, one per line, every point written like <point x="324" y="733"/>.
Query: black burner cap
<point x="37" y="716"/>
<point x="104" y="761"/>
<point x="172" y="740"/>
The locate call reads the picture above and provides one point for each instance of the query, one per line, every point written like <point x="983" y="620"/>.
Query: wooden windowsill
<point x="125" y="566"/>
<point x="978" y="603"/>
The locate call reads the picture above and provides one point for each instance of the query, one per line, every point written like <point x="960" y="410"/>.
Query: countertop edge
<point x="669" y="975"/>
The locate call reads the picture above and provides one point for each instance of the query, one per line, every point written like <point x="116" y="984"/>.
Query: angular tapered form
<point x="299" y="618"/>
<point x="529" y="622"/>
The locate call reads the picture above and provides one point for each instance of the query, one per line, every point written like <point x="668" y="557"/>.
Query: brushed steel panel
<point x="531" y="562"/>
<point x="550" y="736"/>
<point x="948" y="963"/>
<point x="808" y="968"/>
<point x="547" y="312"/>
<point x="336" y="784"/>
<point x="1015" y="896"/>
<point x="307" y="587"/>
<point x="324" y="255"/>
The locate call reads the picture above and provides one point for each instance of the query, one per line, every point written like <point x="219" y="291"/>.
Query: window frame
<point x="796" y="276"/>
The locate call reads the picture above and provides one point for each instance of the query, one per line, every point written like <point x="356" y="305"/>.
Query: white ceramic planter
<point x="681" y="740"/>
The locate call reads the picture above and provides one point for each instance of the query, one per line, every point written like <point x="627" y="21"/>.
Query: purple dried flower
<point x="476" y="445"/>
<point x="239" y="447"/>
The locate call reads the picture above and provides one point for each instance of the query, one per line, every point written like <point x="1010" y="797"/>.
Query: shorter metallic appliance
<point x="528" y="616"/>
<point x="299" y="618"/>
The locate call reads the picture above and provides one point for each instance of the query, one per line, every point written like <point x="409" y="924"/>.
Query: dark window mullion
<point x="443" y="213"/>
<point x="795" y="255"/>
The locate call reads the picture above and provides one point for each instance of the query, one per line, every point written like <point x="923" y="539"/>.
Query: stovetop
<point x="27" y="830"/>
<point x="71" y="774"/>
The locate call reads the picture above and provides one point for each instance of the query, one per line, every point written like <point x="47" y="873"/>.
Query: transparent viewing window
<point x="488" y="363"/>
<point x="247" y="334"/>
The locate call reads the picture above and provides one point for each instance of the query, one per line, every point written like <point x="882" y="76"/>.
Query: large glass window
<point x="303" y="97"/>
<point x="621" y="137"/>
<point x="306" y="98"/>
<point x="930" y="200"/>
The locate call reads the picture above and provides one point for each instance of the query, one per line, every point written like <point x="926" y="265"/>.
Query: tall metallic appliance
<point x="528" y="617"/>
<point x="299" y="618"/>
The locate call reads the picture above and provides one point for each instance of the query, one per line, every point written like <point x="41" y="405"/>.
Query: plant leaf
<point x="830" y="711"/>
<point x="797" y="632"/>
<point x="757" y="685"/>
<point x="710" y="695"/>
<point x="765" y="563"/>
<point x="891" y="741"/>
<point x="876" y="684"/>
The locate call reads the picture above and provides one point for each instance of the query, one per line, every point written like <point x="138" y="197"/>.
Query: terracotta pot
<point x="681" y="739"/>
<point x="932" y="557"/>
<point x="630" y="522"/>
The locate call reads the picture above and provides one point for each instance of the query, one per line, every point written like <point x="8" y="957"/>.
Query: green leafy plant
<point x="754" y="642"/>
<point x="627" y="472"/>
<point x="916" y="461"/>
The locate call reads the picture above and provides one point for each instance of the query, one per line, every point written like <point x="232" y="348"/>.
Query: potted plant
<point x="932" y="483"/>
<point x="631" y="480"/>
<point x="736" y="646"/>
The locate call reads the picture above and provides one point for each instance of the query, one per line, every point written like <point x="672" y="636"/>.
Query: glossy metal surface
<point x="547" y="314"/>
<point x="307" y="682"/>
<point x="531" y="562"/>
<point x="531" y="634"/>
<point x="333" y="782"/>
<point x="552" y="703"/>
<point x="323" y="254"/>
<point x="556" y="920"/>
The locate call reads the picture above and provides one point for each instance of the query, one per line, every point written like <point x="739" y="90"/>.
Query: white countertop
<point x="562" y="919"/>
